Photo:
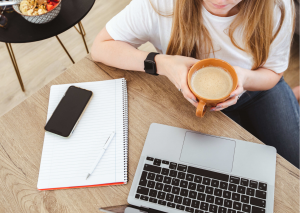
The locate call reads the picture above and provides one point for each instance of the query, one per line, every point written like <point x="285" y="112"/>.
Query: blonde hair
<point x="189" y="36"/>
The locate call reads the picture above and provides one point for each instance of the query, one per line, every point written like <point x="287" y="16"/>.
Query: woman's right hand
<point x="176" y="69"/>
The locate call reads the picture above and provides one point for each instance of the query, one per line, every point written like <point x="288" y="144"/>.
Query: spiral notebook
<point x="65" y="161"/>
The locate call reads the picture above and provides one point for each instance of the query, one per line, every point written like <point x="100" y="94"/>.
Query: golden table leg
<point x="81" y="31"/>
<point x="14" y="62"/>
<point x="65" y="49"/>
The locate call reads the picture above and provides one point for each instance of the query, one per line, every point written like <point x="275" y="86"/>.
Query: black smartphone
<point x="69" y="111"/>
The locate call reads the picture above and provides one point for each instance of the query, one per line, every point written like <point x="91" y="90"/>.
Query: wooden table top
<point x="151" y="99"/>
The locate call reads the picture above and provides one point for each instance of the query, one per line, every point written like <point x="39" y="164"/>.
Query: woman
<point x="253" y="36"/>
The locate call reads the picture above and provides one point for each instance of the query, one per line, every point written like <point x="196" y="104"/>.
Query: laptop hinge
<point x="154" y="211"/>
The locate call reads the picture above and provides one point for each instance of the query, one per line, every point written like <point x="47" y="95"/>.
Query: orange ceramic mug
<point x="203" y="102"/>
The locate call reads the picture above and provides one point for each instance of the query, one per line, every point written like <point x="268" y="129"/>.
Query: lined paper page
<point x="66" y="161"/>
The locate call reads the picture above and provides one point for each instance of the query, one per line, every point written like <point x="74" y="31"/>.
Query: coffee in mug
<point x="212" y="82"/>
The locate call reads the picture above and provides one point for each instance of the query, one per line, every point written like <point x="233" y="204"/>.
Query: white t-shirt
<point x="138" y="23"/>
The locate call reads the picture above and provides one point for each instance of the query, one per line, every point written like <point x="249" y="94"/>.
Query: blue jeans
<point x="272" y="116"/>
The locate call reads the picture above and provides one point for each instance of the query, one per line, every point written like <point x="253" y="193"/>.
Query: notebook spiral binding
<point x="125" y="128"/>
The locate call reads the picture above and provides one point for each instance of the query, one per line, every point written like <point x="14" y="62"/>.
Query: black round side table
<point x="18" y="30"/>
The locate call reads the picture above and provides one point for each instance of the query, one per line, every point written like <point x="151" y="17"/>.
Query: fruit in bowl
<point x="37" y="7"/>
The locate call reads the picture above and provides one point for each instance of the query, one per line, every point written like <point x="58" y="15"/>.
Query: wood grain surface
<point x="151" y="99"/>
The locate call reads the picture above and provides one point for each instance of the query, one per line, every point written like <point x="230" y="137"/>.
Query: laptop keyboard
<point x="197" y="190"/>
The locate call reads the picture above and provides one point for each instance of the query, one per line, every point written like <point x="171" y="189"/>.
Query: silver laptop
<point x="185" y="171"/>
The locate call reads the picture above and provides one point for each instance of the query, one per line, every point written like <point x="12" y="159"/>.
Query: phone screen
<point x="68" y="111"/>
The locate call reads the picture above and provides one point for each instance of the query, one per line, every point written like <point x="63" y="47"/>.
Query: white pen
<point x="101" y="154"/>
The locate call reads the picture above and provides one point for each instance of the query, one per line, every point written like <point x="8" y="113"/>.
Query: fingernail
<point x="212" y="109"/>
<point x="219" y="106"/>
<point x="194" y="100"/>
<point x="231" y="96"/>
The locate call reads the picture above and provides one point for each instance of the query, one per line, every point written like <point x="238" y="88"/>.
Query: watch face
<point x="150" y="67"/>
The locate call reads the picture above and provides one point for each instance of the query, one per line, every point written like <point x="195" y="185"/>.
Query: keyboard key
<point x="236" y="196"/>
<point x="192" y="194"/>
<point x="246" y="208"/>
<point x="245" y="199"/>
<point x="167" y="188"/>
<point x="218" y="192"/>
<point x="232" y="187"/>
<point x="198" y="179"/>
<point x="175" y="190"/>
<point x="142" y="190"/>
<point x="201" y="196"/>
<point x="162" y="202"/>
<point x="231" y="211"/>
<point x="188" y="209"/>
<point x="261" y="194"/>
<point x="149" y="158"/>
<point x="210" y="199"/>
<point x="204" y="206"/>
<point x="152" y="193"/>
<point x="157" y="162"/>
<point x="186" y="201"/>
<point x="213" y="208"/>
<point x="151" y="168"/>
<point x="175" y="182"/>
<point x="241" y="189"/>
<point x="199" y="211"/>
<point x="159" y="178"/>
<point x="181" y="175"/>
<point x="152" y="200"/>
<point x="165" y="162"/>
<point x="222" y="210"/>
<point x="178" y="199"/>
<point x="143" y="197"/>
<point x="195" y="204"/>
<point x="150" y="184"/>
<point x="180" y="207"/>
<point x="257" y="210"/>
<point x="262" y="186"/>
<point x="167" y="180"/>
<point x="257" y="202"/>
<point x="219" y="201"/>
<point x="209" y="190"/>
<point x="172" y="205"/>
<point x="172" y="165"/>
<point x="137" y="196"/>
<point x="253" y="184"/>
<point x="224" y="185"/>
<point x="215" y="183"/>
<point x="234" y="179"/>
<point x="170" y="197"/>
<point x="184" y="192"/>
<point x="237" y="205"/>
<point x="183" y="184"/>
<point x="143" y="182"/>
<point x="173" y="173"/>
<point x="206" y="173"/>
<point x="206" y="181"/>
<point x="228" y="203"/>
<point x="192" y="186"/>
<point x="161" y="195"/>
<point x="159" y="186"/>
<point x="151" y="176"/>
<point x="165" y="171"/>
<point x="189" y="177"/>
<point x="227" y="194"/>
<point x="250" y="192"/>
<point x="200" y="188"/>
<point x="181" y="167"/>
<point x="244" y="182"/>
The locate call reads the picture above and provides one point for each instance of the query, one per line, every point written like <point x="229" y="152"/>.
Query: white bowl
<point x="39" y="19"/>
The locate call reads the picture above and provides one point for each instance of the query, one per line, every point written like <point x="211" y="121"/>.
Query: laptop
<point x="186" y="171"/>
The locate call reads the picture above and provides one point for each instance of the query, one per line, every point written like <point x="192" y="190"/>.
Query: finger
<point x="239" y="90"/>
<point x="187" y="92"/>
<point x="192" y="102"/>
<point x="225" y="104"/>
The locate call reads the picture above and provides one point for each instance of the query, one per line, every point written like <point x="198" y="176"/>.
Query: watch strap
<point x="150" y="59"/>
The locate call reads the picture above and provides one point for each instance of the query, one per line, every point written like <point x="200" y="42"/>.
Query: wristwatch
<point x="150" y="65"/>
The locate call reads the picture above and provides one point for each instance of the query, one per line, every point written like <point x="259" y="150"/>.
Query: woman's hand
<point x="176" y="69"/>
<point x="242" y="77"/>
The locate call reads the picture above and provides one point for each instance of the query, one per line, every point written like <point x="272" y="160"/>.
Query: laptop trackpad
<point x="208" y="151"/>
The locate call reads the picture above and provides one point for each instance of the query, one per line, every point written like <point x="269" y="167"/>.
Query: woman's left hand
<point x="242" y="76"/>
